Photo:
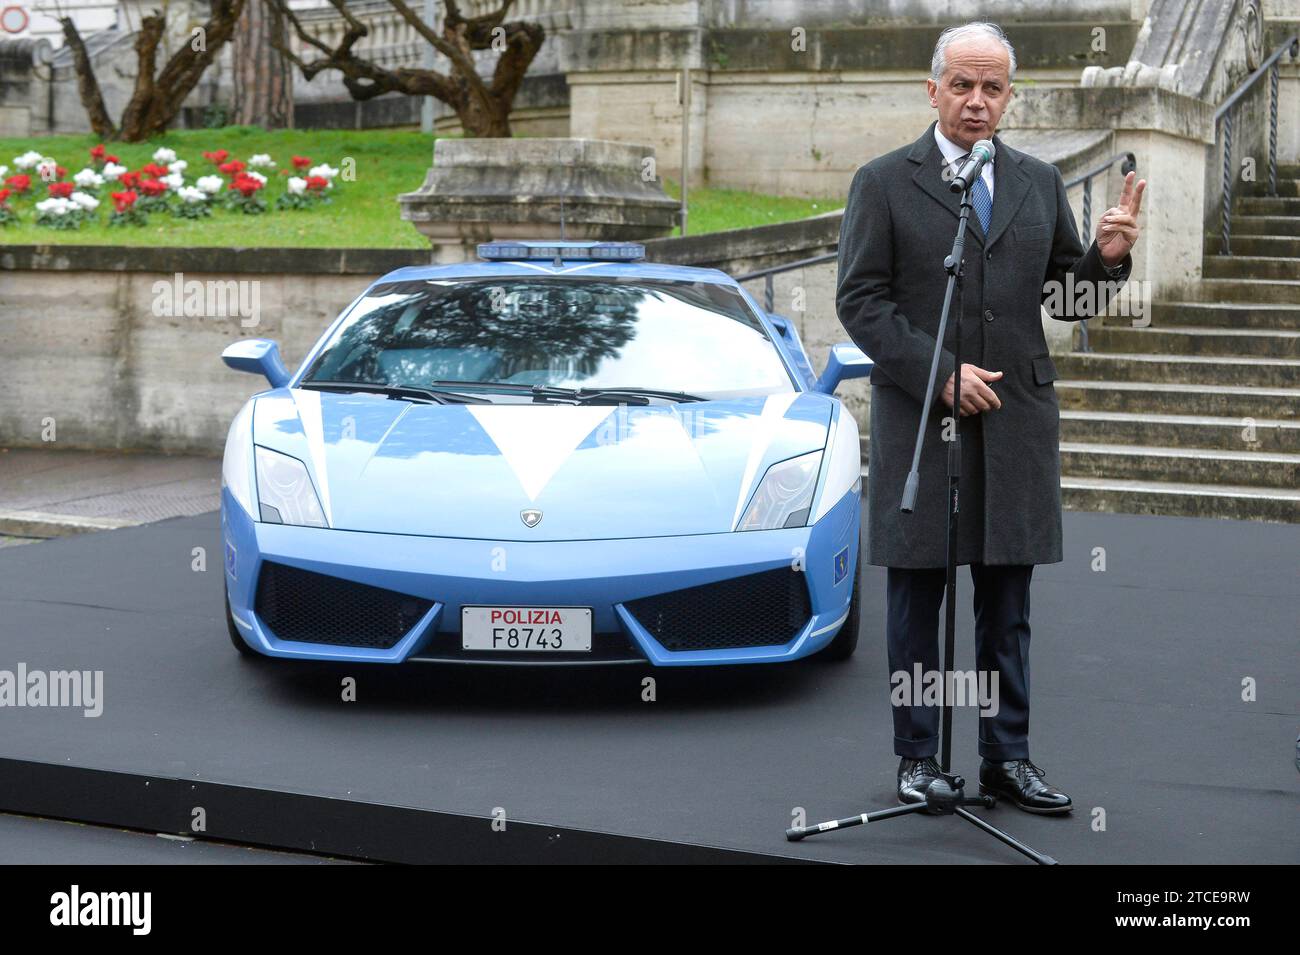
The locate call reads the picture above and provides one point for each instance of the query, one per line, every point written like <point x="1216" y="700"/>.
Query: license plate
<point x="526" y="629"/>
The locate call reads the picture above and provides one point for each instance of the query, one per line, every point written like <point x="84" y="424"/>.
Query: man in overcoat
<point x="1023" y="253"/>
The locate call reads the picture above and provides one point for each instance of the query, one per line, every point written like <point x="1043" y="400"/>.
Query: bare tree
<point x="483" y="106"/>
<point x="263" y="79"/>
<point x="158" y="94"/>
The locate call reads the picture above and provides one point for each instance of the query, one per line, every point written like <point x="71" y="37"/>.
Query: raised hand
<point x="1117" y="229"/>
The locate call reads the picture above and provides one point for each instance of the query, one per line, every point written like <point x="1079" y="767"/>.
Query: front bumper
<point x="605" y="575"/>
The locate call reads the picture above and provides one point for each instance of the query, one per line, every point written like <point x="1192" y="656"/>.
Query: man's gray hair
<point x="968" y="31"/>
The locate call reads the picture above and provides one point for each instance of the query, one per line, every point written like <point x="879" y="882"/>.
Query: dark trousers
<point x="1001" y="646"/>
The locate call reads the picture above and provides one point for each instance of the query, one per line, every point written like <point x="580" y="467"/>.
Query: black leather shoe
<point x="1022" y="782"/>
<point x="915" y="777"/>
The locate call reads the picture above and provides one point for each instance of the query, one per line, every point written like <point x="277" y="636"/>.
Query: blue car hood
<point x="595" y="471"/>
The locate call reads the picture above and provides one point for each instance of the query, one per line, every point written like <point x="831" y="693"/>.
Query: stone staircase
<point x="1198" y="413"/>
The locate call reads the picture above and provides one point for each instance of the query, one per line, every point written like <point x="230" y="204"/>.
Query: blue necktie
<point x="981" y="200"/>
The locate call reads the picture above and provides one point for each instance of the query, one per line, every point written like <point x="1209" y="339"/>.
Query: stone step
<point x="1287" y="186"/>
<point x="1268" y="246"/>
<point x="1153" y="397"/>
<point x="1240" y="266"/>
<point x="1181" y="431"/>
<point x="1212" y="314"/>
<point x="1258" y="225"/>
<point x="1191" y="340"/>
<point x="1182" y="369"/>
<point x="1250" y="291"/>
<point x="1232" y="502"/>
<point x="1286" y="170"/>
<point x="1261" y="469"/>
<point x="1266" y="205"/>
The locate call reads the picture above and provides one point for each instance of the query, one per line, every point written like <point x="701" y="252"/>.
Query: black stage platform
<point x="1137" y="691"/>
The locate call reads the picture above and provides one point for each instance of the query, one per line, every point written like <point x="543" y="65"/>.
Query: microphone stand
<point x="946" y="796"/>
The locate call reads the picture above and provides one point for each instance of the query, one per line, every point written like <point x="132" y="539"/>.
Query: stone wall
<point x="90" y="335"/>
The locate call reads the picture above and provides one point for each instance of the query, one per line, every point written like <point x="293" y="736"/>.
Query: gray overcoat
<point x="897" y="229"/>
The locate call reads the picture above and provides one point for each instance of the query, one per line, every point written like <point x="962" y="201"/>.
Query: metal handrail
<point x="769" y="294"/>
<point x="1225" y="114"/>
<point x="1128" y="165"/>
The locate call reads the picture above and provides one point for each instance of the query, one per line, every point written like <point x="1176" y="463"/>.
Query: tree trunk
<point x="87" y="83"/>
<point x="263" y="83"/>
<point x="482" y="117"/>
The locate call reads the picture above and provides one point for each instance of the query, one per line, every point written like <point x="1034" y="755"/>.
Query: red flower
<point x="97" y="152"/>
<point x="152" y="187"/>
<point x="61" y="190"/>
<point x="4" y="194"/>
<point x="245" y="185"/>
<point x="233" y="168"/>
<point x="154" y="171"/>
<point x="123" y="200"/>
<point x="317" y="183"/>
<point x="301" y="162"/>
<point x="112" y="159"/>
<point x="129" y="179"/>
<point x="19" y="183"/>
<point x="217" y="156"/>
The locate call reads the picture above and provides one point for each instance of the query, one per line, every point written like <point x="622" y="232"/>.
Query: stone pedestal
<point x="1169" y="134"/>
<point x="484" y="189"/>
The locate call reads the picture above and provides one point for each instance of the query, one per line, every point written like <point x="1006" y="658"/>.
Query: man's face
<point x="973" y="91"/>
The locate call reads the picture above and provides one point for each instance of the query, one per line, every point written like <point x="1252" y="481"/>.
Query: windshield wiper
<point x="400" y="392"/>
<point x="640" y="396"/>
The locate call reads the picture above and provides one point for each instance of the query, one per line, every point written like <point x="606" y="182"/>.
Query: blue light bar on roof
<point x="593" y="251"/>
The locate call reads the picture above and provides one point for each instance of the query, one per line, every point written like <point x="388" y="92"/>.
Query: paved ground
<point x="55" y="492"/>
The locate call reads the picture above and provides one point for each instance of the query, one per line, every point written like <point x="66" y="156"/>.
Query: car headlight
<point x="284" y="491"/>
<point x="784" y="496"/>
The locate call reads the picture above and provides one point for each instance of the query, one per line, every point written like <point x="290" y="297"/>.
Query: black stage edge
<point x="1144" y="639"/>
<point x="326" y="826"/>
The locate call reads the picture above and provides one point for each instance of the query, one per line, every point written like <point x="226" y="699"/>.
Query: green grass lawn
<point x="362" y="214"/>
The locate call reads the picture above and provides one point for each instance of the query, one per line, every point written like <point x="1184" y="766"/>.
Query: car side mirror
<point x="261" y="356"/>
<point x="846" y="361"/>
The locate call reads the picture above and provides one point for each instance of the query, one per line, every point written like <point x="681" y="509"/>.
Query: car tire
<point x="244" y="649"/>
<point x="845" y="642"/>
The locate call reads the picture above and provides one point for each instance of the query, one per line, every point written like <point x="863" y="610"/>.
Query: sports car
<point x="559" y="454"/>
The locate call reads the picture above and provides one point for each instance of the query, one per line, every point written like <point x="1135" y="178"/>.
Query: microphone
<point x="980" y="153"/>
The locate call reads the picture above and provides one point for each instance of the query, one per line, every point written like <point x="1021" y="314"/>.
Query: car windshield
<point x="695" y="337"/>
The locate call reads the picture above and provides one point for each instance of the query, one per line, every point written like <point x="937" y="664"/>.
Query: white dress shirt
<point x="952" y="152"/>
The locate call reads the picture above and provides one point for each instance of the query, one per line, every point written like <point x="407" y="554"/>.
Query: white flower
<point x="179" y="166"/>
<point x="297" y="185"/>
<point x="47" y="169"/>
<point x="173" y="181"/>
<point x="55" y="205"/>
<point x="3" y="171"/>
<point x="324" y="170"/>
<point x="88" y="179"/>
<point x="164" y="156"/>
<point x="261" y="160"/>
<point x="112" y="171"/>
<point x="256" y="175"/>
<point x="84" y="201"/>
<point x="28" y="159"/>
<point x="210" y="184"/>
<point x="190" y="194"/>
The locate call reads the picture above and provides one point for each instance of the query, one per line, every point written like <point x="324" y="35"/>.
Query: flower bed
<point x="39" y="186"/>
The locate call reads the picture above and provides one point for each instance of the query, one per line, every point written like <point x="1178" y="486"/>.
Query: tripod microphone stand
<point x="946" y="796"/>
